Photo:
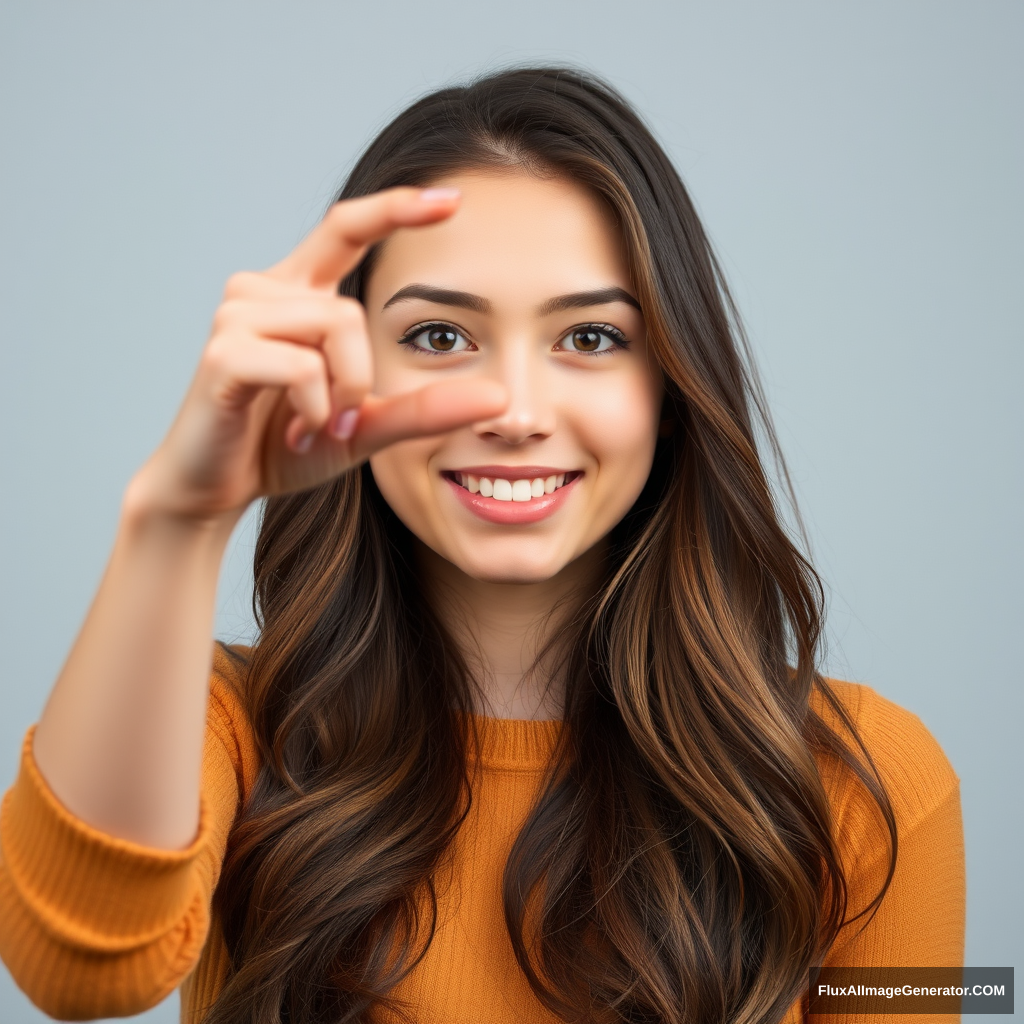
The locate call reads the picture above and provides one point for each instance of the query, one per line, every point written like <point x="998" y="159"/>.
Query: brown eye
<point x="442" y="340"/>
<point x="592" y="339"/>
<point x="586" y="341"/>
<point x="435" y="339"/>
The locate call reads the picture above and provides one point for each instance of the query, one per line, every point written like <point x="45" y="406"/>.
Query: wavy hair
<point x="680" y="863"/>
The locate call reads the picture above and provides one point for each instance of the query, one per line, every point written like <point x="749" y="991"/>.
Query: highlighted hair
<point x="680" y="864"/>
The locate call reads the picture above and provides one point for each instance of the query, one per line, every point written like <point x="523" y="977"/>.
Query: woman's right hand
<point x="282" y="398"/>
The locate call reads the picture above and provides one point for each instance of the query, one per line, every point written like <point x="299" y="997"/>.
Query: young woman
<point x="532" y="730"/>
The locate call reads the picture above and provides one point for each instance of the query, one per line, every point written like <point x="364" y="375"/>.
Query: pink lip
<point x="513" y="513"/>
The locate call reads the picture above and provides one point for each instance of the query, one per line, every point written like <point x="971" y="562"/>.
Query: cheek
<point x="402" y="474"/>
<point x="619" y="425"/>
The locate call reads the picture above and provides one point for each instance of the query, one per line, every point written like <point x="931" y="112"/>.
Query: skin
<point x="297" y="384"/>
<point x="596" y="413"/>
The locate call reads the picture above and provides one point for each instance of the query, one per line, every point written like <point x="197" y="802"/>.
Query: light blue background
<point x="858" y="165"/>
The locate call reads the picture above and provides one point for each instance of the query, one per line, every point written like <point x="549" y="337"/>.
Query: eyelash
<point x="432" y="325"/>
<point x="620" y="340"/>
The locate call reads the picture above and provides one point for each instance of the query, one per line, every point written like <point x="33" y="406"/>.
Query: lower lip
<point x="513" y="513"/>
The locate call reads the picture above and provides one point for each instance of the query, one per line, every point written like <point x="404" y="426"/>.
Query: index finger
<point x="337" y="244"/>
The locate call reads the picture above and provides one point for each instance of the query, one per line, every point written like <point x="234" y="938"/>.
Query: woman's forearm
<point x="280" y="402"/>
<point x="120" y="740"/>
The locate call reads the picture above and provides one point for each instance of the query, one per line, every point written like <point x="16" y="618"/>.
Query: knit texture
<point x="94" y="926"/>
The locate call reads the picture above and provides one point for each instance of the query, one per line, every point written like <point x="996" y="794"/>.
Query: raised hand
<point x="282" y="398"/>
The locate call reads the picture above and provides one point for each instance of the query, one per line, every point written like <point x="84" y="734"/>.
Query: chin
<point x="520" y="567"/>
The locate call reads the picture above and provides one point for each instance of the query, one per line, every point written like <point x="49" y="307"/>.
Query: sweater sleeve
<point x="96" y="926"/>
<point x="920" y="920"/>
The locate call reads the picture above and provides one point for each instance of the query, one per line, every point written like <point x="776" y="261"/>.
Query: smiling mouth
<point x="504" y="489"/>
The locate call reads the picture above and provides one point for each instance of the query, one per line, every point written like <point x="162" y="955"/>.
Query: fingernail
<point x="344" y="425"/>
<point x="435" y="195"/>
<point x="304" y="443"/>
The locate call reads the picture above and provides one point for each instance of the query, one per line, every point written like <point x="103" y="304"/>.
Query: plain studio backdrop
<point x="858" y="166"/>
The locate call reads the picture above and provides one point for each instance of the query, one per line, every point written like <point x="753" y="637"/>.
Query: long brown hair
<point x="680" y="864"/>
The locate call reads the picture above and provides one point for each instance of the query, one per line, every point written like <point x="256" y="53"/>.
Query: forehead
<point x="515" y="236"/>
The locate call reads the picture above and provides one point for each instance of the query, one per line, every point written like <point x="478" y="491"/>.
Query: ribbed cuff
<point x="87" y="888"/>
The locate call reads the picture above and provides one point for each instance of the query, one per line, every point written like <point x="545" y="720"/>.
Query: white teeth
<point x="510" y="490"/>
<point x="521" y="490"/>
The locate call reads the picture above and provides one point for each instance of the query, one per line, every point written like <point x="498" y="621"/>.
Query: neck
<point x="504" y="630"/>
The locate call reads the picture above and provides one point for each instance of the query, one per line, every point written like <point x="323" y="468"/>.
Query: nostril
<point x="512" y="436"/>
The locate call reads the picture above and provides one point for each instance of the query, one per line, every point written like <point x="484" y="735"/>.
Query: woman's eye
<point x="436" y="338"/>
<point x="592" y="340"/>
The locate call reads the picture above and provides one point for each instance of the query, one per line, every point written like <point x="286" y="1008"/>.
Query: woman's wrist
<point x="147" y="506"/>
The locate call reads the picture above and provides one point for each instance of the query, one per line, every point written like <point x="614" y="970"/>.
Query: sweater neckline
<point x="512" y="744"/>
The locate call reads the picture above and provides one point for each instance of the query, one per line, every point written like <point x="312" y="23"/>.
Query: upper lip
<point x="510" y="472"/>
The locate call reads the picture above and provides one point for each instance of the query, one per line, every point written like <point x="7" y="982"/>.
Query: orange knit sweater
<point x="93" y="926"/>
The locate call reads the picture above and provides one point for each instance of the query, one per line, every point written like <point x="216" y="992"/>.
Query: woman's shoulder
<point x="911" y="764"/>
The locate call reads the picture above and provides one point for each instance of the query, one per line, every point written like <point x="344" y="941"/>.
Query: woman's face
<point x="526" y="284"/>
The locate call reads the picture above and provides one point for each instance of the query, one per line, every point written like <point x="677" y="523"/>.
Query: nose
<point x="530" y="413"/>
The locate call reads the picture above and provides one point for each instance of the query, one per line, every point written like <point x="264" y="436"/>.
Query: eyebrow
<point x="477" y="303"/>
<point x="579" y="300"/>
<point x="442" y="296"/>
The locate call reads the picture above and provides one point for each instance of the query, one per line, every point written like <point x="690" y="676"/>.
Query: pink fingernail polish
<point x="344" y="425"/>
<point x="304" y="443"/>
<point x="434" y="195"/>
